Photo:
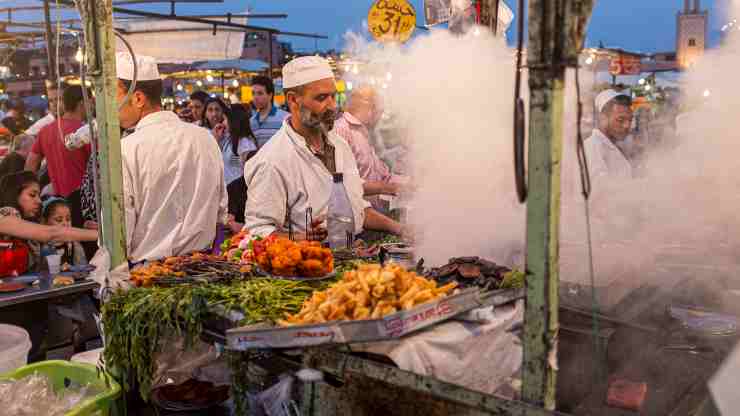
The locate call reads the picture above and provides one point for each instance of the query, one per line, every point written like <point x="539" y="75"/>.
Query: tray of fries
<point x="372" y="304"/>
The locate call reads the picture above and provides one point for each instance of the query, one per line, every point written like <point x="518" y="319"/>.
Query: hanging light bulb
<point x="79" y="56"/>
<point x="179" y="87"/>
<point x="235" y="83"/>
<point x="648" y="87"/>
<point x="199" y="83"/>
<point x="641" y="81"/>
<point x="209" y="78"/>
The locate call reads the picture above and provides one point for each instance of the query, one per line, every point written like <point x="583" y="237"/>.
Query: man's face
<point x="52" y="95"/>
<point x="196" y="107"/>
<point x="618" y="122"/>
<point x="130" y="114"/>
<point x="316" y="107"/>
<point x="262" y="99"/>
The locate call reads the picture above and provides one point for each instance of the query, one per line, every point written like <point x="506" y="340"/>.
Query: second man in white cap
<point x="293" y="171"/>
<point x="614" y="115"/>
<point x="173" y="173"/>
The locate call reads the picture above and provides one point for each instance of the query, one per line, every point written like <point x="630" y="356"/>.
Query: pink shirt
<point x="358" y="137"/>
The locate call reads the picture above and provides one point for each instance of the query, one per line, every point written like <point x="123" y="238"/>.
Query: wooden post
<point x="101" y="48"/>
<point x="556" y="30"/>
<point x="51" y="61"/>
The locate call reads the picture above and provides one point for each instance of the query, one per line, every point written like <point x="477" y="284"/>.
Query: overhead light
<point x="589" y="60"/>
<point x="648" y="87"/>
<point x="707" y="93"/>
<point x="78" y="55"/>
<point x="209" y="78"/>
<point x="179" y="87"/>
<point x="235" y="83"/>
<point x="641" y="81"/>
<point x="199" y="83"/>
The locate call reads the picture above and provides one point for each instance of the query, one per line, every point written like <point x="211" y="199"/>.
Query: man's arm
<point x="378" y="222"/>
<point x="371" y="188"/>
<point x="33" y="162"/>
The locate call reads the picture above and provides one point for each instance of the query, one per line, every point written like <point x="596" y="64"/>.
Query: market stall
<point x="346" y="304"/>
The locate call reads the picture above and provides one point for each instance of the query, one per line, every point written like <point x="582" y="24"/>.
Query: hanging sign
<point x="625" y="65"/>
<point x="391" y="20"/>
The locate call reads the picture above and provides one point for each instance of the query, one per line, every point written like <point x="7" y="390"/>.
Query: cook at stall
<point x="293" y="171"/>
<point x="173" y="173"/>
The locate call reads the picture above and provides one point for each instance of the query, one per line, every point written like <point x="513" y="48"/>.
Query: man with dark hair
<point x="614" y="112"/>
<point x="267" y="118"/>
<point x="66" y="167"/>
<point x="55" y="108"/>
<point x="15" y="119"/>
<point x="173" y="172"/>
<point x="197" y="105"/>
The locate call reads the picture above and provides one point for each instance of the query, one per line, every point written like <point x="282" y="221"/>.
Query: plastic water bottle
<point x="340" y="222"/>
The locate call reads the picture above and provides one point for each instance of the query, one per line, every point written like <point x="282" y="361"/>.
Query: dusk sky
<point x="641" y="25"/>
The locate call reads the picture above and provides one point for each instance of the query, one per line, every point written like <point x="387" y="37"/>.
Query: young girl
<point x="56" y="211"/>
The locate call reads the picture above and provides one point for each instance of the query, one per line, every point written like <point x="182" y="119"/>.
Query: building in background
<point x="257" y="46"/>
<point x="691" y="34"/>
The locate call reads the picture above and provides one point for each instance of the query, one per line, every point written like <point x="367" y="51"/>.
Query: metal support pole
<point x="101" y="47"/>
<point x="556" y="30"/>
<point x="50" y="50"/>
<point x="272" y="62"/>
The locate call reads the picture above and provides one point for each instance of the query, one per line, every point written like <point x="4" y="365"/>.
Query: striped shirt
<point x="263" y="130"/>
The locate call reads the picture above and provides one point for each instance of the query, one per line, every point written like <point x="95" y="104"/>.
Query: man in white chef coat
<point x="173" y="172"/>
<point x="293" y="171"/>
<point x="614" y="113"/>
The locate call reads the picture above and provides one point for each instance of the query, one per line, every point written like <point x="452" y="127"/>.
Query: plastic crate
<point x="62" y="372"/>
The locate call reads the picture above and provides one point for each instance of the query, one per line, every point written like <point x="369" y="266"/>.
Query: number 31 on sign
<point x="391" y="20"/>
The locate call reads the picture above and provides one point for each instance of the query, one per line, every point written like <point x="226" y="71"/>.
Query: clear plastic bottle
<point x="340" y="222"/>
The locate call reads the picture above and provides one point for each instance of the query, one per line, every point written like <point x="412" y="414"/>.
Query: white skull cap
<point x="146" y="67"/>
<point x="305" y="70"/>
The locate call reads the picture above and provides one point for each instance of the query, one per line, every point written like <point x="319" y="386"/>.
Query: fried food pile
<point x="370" y="292"/>
<point x="283" y="257"/>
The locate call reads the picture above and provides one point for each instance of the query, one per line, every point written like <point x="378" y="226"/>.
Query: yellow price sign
<point x="391" y="20"/>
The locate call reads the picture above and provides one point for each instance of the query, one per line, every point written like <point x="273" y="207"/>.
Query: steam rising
<point x="454" y="96"/>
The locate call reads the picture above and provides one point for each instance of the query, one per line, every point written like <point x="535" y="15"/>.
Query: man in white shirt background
<point x="614" y="115"/>
<point x="173" y="173"/>
<point x="293" y="171"/>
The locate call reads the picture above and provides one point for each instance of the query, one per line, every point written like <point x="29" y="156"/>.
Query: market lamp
<point x="179" y="87"/>
<point x="199" y="83"/>
<point x="235" y="83"/>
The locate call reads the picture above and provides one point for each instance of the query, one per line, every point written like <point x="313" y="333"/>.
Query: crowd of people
<point x="185" y="174"/>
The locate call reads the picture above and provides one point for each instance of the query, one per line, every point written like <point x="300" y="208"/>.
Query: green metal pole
<point x="101" y="46"/>
<point x="555" y="38"/>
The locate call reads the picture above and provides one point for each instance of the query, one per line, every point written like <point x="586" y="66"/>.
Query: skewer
<point x="309" y="221"/>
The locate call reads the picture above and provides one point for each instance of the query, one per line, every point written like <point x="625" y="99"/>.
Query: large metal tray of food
<point x="393" y="326"/>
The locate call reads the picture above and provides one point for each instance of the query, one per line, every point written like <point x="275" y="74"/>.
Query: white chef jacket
<point x="285" y="170"/>
<point x="604" y="158"/>
<point x="174" y="190"/>
<point x="40" y="124"/>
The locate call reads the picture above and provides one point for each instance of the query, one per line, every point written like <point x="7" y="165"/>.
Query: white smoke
<point x="454" y="97"/>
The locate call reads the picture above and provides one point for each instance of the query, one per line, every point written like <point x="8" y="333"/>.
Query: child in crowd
<point x="56" y="211"/>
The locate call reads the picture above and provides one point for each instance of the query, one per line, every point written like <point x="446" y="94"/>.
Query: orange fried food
<point x="283" y="257"/>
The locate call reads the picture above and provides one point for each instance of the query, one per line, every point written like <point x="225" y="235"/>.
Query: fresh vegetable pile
<point x="136" y="320"/>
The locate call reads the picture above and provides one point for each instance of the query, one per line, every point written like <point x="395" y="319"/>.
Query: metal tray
<point x="345" y="332"/>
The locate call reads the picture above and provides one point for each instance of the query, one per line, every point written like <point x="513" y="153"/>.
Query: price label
<point x="391" y="20"/>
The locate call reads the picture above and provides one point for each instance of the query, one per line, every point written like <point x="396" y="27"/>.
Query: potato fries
<point x="370" y="292"/>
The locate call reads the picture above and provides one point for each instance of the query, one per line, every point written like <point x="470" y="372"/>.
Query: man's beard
<point x="318" y="123"/>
